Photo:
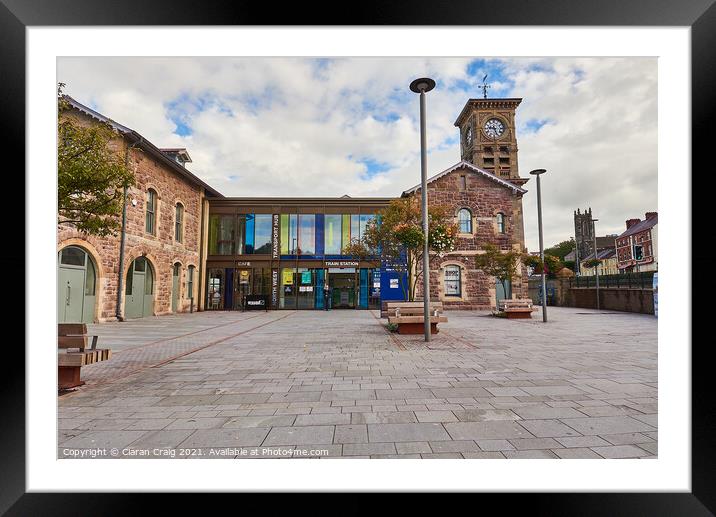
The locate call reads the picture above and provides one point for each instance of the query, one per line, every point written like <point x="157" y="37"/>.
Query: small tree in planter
<point x="396" y="236"/>
<point x="502" y="265"/>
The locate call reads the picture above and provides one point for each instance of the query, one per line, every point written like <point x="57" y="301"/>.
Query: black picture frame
<point x="700" y="15"/>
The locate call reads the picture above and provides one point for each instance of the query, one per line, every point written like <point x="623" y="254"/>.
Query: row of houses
<point x="634" y="250"/>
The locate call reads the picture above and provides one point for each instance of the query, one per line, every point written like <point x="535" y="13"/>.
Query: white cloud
<point x="300" y="127"/>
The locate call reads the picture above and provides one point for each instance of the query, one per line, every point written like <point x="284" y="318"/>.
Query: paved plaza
<point x="338" y="384"/>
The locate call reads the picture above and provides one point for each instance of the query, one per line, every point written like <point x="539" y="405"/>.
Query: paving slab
<point x="406" y="432"/>
<point x="308" y="435"/>
<point x="486" y="430"/>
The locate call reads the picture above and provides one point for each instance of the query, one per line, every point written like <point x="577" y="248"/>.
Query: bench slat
<point x="416" y="319"/>
<point x="67" y="329"/>
<point x="72" y="342"/>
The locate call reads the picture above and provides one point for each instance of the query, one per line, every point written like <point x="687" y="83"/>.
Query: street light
<point x="538" y="173"/>
<point x="421" y="86"/>
<point x="596" y="266"/>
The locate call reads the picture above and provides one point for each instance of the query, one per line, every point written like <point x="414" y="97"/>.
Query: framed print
<point x="203" y="155"/>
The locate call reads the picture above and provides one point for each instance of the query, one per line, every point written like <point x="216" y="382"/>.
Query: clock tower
<point x="488" y="137"/>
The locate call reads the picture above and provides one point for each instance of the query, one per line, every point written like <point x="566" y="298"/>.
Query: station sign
<point x="342" y="263"/>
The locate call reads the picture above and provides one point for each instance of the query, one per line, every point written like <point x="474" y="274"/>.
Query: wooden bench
<point x="74" y="353"/>
<point x="516" y="308"/>
<point x="410" y="316"/>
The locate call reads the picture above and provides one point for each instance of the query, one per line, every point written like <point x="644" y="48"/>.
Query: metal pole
<point x="596" y="266"/>
<point x="422" y="86"/>
<point x="541" y="251"/>
<point x="424" y="195"/>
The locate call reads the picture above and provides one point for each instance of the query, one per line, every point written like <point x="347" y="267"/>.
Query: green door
<point x="175" y="287"/>
<point x="138" y="295"/>
<point x="76" y="277"/>
<point x="500" y="293"/>
<point x="70" y="295"/>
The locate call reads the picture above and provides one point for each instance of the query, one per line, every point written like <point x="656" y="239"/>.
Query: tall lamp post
<point x="596" y="266"/>
<point x="421" y="86"/>
<point x="538" y="173"/>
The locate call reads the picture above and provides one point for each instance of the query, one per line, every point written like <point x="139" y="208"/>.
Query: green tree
<point x="396" y="236"/>
<point x="91" y="176"/>
<point x="561" y="250"/>
<point x="591" y="263"/>
<point x="553" y="264"/>
<point x="500" y="264"/>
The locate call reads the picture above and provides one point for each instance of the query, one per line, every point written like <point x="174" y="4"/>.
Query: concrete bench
<point x="74" y="352"/>
<point x="410" y="317"/>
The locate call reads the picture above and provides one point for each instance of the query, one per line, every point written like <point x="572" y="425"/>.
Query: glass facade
<point x="300" y="277"/>
<point x="262" y="234"/>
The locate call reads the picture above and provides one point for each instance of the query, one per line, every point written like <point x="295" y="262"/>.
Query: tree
<point x="591" y="263"/>
<point x="502" y="265"/>
<point x="562" y="249"/>
<point x="91" y="177"/>
<point x="396" y="236"/>
<point x="553" y="264"/>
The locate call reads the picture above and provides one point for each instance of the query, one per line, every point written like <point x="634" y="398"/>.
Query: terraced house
<point x="187" y="247"/>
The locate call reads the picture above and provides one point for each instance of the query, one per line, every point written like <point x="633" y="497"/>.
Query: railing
<point x="641" y="280"/>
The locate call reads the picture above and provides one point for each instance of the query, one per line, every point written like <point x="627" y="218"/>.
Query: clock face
<point x="468" y="136"/>
<point x="494" y="128"/>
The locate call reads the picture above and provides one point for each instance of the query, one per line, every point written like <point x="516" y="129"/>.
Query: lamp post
<point x="538" y="173"/>
<point x="421" y="86"/>
<point x="596" y="266"/>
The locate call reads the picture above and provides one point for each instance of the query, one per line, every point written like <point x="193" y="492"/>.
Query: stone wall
<point x="485" y="199"/>
<point x="161" y="249"/>
<point x="610" y="298"/>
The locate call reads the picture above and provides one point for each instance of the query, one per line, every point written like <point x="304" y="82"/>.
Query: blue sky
<point x="328" y="127"/>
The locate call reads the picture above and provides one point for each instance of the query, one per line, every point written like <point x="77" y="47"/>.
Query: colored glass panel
<point x="346" y="231"/>
<point x="250" y="225"/>
<point x="332" y="229"/>
<point x="262" y="233"/>
<point x="306" y="234"/>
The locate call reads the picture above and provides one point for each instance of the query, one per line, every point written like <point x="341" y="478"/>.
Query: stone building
<point x="484" y="191"/>
<point x="158" y="269"/>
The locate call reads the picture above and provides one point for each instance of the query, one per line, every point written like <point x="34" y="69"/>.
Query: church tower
<point x="488" y="138"/>
<point x="583" y="235"/>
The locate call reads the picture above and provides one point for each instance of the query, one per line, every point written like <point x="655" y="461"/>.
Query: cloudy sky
<point x="328" y="127"/>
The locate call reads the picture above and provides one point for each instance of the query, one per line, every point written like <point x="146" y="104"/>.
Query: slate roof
<point x="144" y="144"/>
<point x="641" y="226"/>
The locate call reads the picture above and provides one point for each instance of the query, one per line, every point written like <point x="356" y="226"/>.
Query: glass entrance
<point x="343" y="290"/>
<point x="242" y="287"/>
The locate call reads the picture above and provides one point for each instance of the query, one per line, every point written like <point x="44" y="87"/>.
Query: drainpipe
<point x="123" y="239"/>
<point x="201" y="257"/>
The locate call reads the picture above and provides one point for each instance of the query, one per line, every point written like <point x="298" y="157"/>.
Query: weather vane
<point x="484" y="86"/>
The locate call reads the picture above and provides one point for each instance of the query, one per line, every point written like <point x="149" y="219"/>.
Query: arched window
<point x="179" y="223"/>
<point x="453" y="281"/>
<point x="151" y="212"/>
<point x="500" y="222"/>
<point x="464" y="220"/>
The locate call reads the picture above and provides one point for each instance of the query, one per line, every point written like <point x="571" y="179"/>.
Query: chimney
<point x="649" y="215"/>
<point x="631" y="222"/>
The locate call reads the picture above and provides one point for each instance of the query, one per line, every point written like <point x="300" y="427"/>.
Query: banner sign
<point x="274" y="288"/>
<point x="275" y="237"/>
<point x="341" y="263"/>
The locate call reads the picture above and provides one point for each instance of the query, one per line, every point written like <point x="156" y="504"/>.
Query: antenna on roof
<point x="484" y="87"/>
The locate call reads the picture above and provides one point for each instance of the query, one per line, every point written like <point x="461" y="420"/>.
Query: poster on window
<point x="452" y="282"/>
